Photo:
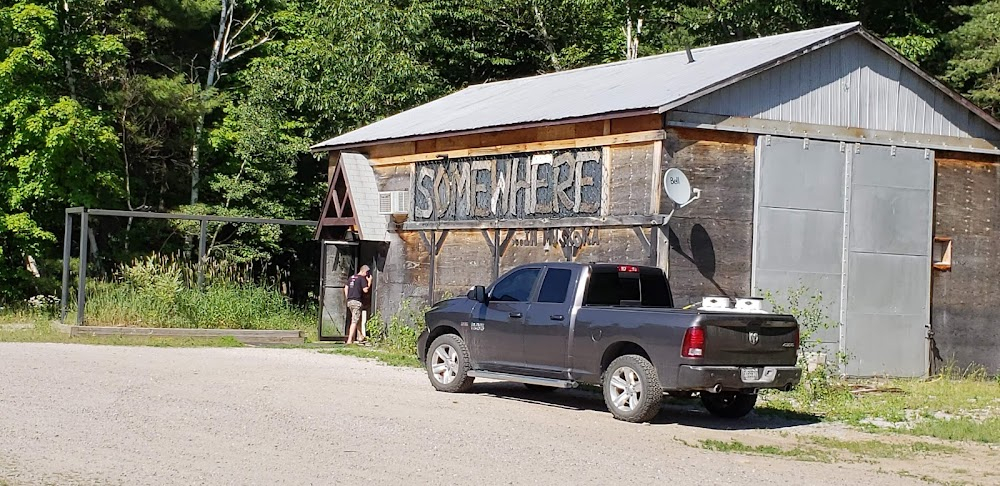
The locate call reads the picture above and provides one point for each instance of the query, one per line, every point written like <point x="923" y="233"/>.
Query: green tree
<point x="55" y="151"/>
<point x="974" y="67"/>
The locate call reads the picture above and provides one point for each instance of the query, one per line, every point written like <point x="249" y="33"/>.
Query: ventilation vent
<point x="394" y="202"/>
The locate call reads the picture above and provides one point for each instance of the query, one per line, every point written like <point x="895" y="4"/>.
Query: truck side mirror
<point x="478" y="294"/>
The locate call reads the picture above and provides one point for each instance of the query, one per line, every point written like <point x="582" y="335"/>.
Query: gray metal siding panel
<point x="800" y="178"/>
<point x="878" y="287"/>
<point x="850" y="83"/>
<point x="881" y="344"/>
<point x="800" y="223"/>
<point x="884" y="220"/>
<point x="799" y="241"/>
<point x="888" y="285"/>
<point x="888" y="271"/>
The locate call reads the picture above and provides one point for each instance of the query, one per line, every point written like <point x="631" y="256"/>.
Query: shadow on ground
<point x="675" y="411"/>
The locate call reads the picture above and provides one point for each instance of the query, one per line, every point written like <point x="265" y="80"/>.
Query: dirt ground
<point x="75" y="414"/>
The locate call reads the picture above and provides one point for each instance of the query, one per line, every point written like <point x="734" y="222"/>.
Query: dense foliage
<point x="210" y="105"/>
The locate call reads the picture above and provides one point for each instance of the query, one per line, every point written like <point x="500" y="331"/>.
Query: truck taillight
<point x="694" y="343"/>
<point x="798" y="338"/>
<point x="628" y="268"/>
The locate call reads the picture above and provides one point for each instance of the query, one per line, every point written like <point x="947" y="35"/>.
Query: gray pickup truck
<point x="559" y="325"/>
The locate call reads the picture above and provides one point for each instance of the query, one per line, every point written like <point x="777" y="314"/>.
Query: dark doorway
<point x="340" y="260"/>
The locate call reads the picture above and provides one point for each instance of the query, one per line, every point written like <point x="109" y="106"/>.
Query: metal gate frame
<point x="85" y="214"/>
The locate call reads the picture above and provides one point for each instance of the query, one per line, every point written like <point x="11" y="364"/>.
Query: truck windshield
<point x="646" y="288"/>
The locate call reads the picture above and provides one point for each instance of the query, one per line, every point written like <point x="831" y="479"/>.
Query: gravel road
<point x="75" y="414"/>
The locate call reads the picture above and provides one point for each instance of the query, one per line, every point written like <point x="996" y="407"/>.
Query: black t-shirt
<point x="355" y="287"/>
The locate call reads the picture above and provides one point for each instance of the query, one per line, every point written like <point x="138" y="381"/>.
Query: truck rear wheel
<point x="632" y="390"/>
<point x="448" y="364"/>
<point x="729" y="405"/>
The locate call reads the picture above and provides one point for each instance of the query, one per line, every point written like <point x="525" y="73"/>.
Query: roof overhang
<point x="321" y="148"/>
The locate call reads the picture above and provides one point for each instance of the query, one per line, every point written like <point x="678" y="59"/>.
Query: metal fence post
<point x="67" y="241"/>
<point x="81" y="293"/>
<point x="201" y="254"/>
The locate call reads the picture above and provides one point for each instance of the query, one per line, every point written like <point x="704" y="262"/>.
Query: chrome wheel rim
<point x="625" y="389"/>
<point x="444" y="364"/>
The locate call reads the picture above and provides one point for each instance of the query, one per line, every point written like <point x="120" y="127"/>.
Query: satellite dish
<point x="679" y="190"/>
<point x="676" y="184"/>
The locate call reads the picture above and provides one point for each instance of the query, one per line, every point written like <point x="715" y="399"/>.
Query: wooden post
<point x="430" y="279"/>
<point x="433" y="245"/>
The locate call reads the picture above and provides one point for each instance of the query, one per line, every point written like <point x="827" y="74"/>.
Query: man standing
<point x="357" y="285"/>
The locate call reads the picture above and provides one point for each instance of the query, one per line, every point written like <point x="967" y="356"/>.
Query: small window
<point x="603" y="289"/>
<point x="515" y="287"/>
<point x="941" y="254"/>
<point x="555" y="286"/>
<point x="612" y="288"/>
<point x="655" y="290"/>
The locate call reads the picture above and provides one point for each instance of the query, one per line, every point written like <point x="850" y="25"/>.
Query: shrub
<point x="400" y="333"/>
<point x="811" y="313"/>
<point x="154" y="292"/>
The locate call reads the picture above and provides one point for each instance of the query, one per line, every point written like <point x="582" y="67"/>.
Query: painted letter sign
<point x="561" y="183"/>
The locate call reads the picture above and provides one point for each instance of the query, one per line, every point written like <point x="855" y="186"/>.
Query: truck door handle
<point x="557" y="317"/>
<point x="516" y="315"/>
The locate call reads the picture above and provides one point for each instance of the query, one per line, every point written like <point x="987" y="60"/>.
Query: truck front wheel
<point x="448" y="364"/>
<point x="632" y="390"/>
<point x="729" y="405"/>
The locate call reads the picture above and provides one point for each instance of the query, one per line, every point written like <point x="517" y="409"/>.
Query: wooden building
<point x="827" y="162"/>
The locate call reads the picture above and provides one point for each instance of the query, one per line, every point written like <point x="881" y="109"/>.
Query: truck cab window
<point x="555" y="286"/>
<point x="515" y="287"/>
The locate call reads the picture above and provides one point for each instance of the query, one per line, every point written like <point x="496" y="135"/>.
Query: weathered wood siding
<point x="567" y="131"/>
<point x="465" y="260"/>
<point x="631" y="174"/>
<point x="965" y="301"/>
<point x="711" y="239"/>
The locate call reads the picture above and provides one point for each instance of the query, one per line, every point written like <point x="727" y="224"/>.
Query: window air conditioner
<point x="394" y="202"/>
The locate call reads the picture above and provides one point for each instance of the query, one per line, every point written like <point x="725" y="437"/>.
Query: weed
<point x="880" y="449"/>
<point x="388" y="357"/>
<point x="400" y="333"/>
<point x="964" y="429"/>
<point x="811" y="314"/>
<point x="810" y="454"/>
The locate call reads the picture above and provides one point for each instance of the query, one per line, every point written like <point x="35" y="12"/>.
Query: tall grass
<point x="156" y="292"/>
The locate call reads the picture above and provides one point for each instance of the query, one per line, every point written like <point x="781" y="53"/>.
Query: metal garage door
<point x="865" y="249"/>
<point x="889" y="264"/>
<point x="799" y="223"/>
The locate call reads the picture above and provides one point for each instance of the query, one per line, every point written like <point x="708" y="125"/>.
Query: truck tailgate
<point x="749" y="339"/>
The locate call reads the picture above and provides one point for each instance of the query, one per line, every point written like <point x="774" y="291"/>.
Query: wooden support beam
<point x="506" y="242"/>
<point x="597" y="141"/>
<point x="440" y="242"/>
<point x="647" y="244"/>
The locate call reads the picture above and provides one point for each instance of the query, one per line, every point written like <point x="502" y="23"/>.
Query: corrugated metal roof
<point x="654" y="83"/>
<point x="372" y="226"/>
